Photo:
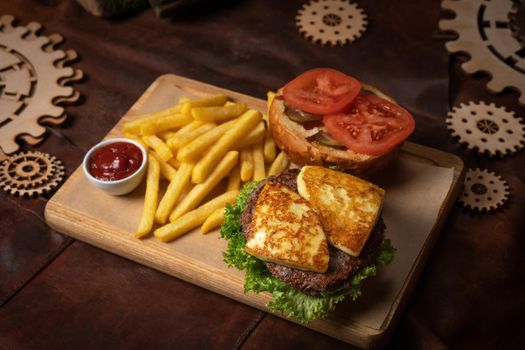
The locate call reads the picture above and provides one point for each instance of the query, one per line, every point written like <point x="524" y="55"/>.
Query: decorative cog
<point x="487" y="128"/>
<point x="484" y="34"/>
<point x="332" y="22"/>
<point x="517" y="21"/>
<point x="33" y="80"/>
<point x="483" y="190"/>
<point x="30" y="173"/>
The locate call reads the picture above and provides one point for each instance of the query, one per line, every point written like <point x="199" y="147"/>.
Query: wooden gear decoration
<point x="33" y="78"/>
<point x="485" y="35"/>
<point x="487" y="128"/>
<point x="517" y="21"/>
<point x="483" y="190"/>
<point x="331" y="22"/>
<point x="30" y="173"/>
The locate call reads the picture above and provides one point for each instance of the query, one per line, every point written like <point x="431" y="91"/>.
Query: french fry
<point x="173" y="192"/>
<point x="269" y="146"/>
<point x="197" y="193"/>
<point x="193" y="150"/>
<point x="234" y="180"/>
<point x="218" y="114"/>
<point x="174" y="163"/>
<point x="280" y="163"/>
<point x="254" y="136"/>
<point x="165" y="123"/>
<point x="269" y="143"/>
<point x="194" y="218"/>
<point x="147" y="128"/>
<point x="182" y="139"/>
<point x="165" y="135"/>
<point x="246" y="164"/>
<point x="243" y="124"/>
<point x="270" y="96"/>
<point x="185" y="129"/>
<point x="134" y="125"/>
<point x="135" y="138"/>
<point x="186" y="110"/>
<point x="166" y="169"/>
<point x="258" y="161"/>
<point x="158" y="146"/>
<point x="213" y="221"/>
<point x="216" y="100"/>
<point x="188" y="127"/>
<point x="150" y="198"/>
<point x="183" y="100"/>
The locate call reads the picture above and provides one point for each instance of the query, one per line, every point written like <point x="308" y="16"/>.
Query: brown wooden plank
<point x="108" y="301"/>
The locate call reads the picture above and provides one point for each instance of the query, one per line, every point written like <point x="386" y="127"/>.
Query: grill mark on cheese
<point x="286" y="230"/>
<point x="349" y="207"/>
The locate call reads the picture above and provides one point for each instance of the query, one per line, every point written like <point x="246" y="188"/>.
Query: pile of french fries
<point x="196" y="145"/>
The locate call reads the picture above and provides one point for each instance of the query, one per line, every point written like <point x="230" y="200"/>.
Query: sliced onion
<point x="301" y="116"/>
<point x="370" y="89"/>
<point x="325" y="139"/>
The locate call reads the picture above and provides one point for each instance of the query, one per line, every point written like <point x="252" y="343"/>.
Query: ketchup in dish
<point x="115" y="161"/>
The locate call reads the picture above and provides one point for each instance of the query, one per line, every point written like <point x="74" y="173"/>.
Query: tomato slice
<point x="371" y="125"/>
<point x="321" y="91"/>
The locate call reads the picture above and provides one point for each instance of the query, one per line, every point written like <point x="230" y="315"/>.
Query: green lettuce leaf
<point x="287" y="299"/>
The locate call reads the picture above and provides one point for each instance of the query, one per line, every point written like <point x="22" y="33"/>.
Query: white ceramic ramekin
<point x="122" y="186"/>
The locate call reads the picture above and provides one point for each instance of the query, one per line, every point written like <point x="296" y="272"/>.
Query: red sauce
<point x="115" y="161"/>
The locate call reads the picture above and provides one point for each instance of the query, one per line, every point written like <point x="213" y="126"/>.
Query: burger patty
<point x="341" y="266"/>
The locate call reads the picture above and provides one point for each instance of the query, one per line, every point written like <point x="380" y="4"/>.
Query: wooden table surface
<point x="56" y="292"/>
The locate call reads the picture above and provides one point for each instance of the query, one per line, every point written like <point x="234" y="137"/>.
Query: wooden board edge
<point x="364" y="337"/>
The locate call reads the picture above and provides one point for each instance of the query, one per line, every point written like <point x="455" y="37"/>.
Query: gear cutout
<point x="33" y="79"/>
<point x="487" y="128"/>
<point x="483" y="190"/>
<point x="484" y="34"/>
<point x="517" y="21"/>
<point x="30" y="173"/>
<point x="331" y="22"/>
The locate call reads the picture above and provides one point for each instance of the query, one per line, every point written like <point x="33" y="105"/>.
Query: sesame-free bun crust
<point x="291" y="138"/>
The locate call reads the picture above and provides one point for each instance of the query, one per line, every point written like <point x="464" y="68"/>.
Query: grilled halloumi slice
<point x="348" y="206"/>
<point x="287" y="231"/>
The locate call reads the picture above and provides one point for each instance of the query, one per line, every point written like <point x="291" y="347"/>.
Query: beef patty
<point x="341" y="266"/>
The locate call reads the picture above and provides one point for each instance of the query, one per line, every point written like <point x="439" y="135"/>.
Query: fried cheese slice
<point x="287" y="231"/>
<point x="348" y="206"/>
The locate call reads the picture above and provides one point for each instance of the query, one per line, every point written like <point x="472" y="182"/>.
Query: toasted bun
<point x="291" y="138"/>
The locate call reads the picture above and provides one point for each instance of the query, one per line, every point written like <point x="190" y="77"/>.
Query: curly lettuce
<point x="286" y="299"/>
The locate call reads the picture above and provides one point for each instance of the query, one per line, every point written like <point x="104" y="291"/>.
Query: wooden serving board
<point x="421" y="188"/>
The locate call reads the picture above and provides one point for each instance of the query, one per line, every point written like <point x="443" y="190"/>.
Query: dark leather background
<point x="56" y="292"/>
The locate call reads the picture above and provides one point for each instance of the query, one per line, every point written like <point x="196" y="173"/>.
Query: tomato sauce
<point x="115" y="161"/>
